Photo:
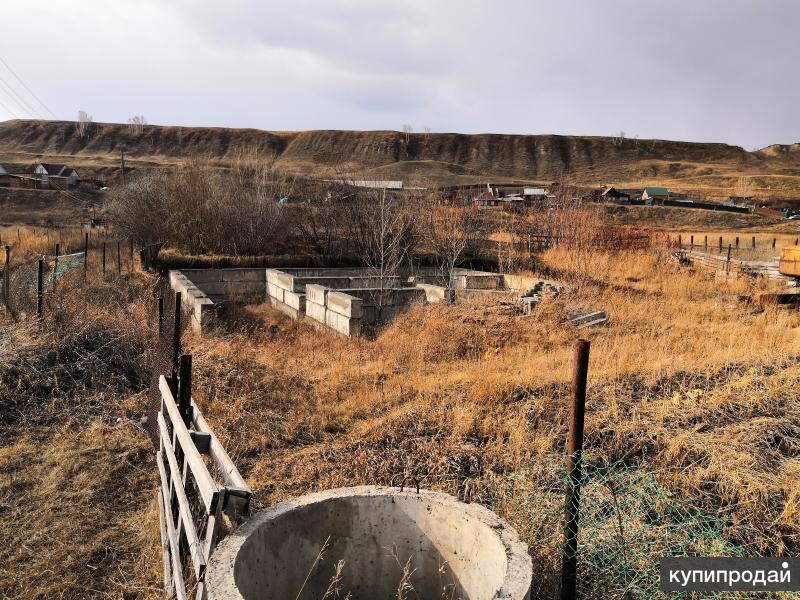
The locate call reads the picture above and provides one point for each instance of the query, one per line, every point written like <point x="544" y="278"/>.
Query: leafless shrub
<point x="453" y="232"/>
<point x="204" y="210"/>
<point x="136" y="124"/>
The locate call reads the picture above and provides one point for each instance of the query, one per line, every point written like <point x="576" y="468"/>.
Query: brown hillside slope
<point x="711" y="169"/>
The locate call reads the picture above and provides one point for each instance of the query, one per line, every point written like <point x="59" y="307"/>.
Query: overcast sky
<point x="701" y="70"/>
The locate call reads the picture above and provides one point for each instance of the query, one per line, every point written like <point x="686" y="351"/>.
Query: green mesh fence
<point x="628" y="521"/>
<point x="24" y="276"/>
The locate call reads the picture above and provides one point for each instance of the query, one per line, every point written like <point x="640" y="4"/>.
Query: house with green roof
<point x="655" y="194"/>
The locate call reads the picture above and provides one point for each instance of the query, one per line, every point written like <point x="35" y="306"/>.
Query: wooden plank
<point x="184" y="510"/>
<point x="230" y="473"/>
<point x="177" y="567"/>
<point x="205" y="484"/>
<point x="169" y="586"/>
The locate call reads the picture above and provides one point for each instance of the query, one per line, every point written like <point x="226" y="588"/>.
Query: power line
<point x="20" y="100"/>
<point x="30" y="91"/>
<point x="15" y="97"/>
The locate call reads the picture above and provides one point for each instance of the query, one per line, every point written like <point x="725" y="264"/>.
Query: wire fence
<point x="628" y="521"/>
<point x="19" y="284"/>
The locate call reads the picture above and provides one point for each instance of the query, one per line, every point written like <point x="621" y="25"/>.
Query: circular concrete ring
<point x="446" y="548"/>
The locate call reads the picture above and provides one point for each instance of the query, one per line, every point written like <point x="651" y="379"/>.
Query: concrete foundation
<point x="344" y="299"/>
<point x="455" y="550"/>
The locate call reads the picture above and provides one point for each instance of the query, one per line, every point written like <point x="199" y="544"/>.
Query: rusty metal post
<point x="176" y="336"/>
<point x="773" y="242"/>
<point x="104" y="258"/>
<point x="7" y="280"/>
<point x="728" y="261"/>
<point x="705" y="243"/>
<point x="119" y="258"/>
<point x="691" y="241"/>
<point x="754" y="242"/>
<point x="737" y="242"/>
<point x="720" y="244"/>
<point x="185" y="388"/>
<point x="569" y="563"/>
<point x="85" y="255"/>
<point x="55" y="265"/>
<point x="680" y="242"/>
<point x="40" y="288"/>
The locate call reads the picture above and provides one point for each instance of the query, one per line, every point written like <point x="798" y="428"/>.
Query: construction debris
<point x="588" y="319"/>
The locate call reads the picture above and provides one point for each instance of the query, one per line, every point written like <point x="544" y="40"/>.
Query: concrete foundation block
<point x="344" y="304"/>
<point x="295" y="301"/>
<point x="284" y="281"/>
<point x="316" y="293"/>
<point x="273" y="291"/>
<point x="244" y="275"/>
<point x="315" y="311"/>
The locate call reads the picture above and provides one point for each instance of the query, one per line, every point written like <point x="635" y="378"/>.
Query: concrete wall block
<point x="295" y="301"/>
<point x="202" y="275"/>
<point x="284" y="281"/>
<point x="273" y="291"/>
<point x="329" y="282"/>
<point x="373" y="282"/>
<point x="345" y="325"/>
<point x="315" y="311"/>
<point x="483" y="282"/>
<point x="344" y="304"/>
<point x="316" y="293"/>
<point x="232" y="289"/>
<point x="332" y="319"/>
<point x="244" y="275"/>
<point x="405" y="296"/>
<point x="436" y="293"/>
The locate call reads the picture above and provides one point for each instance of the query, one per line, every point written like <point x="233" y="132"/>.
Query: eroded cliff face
<point x="440" y="156"/>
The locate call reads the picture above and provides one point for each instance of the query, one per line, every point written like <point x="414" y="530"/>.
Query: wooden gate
<point x="202" y="495"/>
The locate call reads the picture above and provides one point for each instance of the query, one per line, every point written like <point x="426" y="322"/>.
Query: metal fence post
<point x="119" y="258"/>
<point x="85" y="254"/>
<point x="39" y="288"/>
<point x="7" y="280"/>
<point x="104" y="258"/>
<point x="185" y="388"/>
<point x="176" y="336"/>
<point x="574" y="455"/>
<point x="728" y="260"/>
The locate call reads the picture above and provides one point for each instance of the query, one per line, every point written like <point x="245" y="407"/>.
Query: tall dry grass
<point x="689" y="379"/>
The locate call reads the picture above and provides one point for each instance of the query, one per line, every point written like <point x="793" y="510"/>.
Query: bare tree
<point x="453" y="231"/>
<point x="619" y="138"/>
<point x="83" y="124"/>
<point x="407" y="131"/>
<point x="136" y="124"/>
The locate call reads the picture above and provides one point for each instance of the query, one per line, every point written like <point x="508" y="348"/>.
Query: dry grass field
<point x="691" y="384"/>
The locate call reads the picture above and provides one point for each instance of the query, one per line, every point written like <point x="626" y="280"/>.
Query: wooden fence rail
<point x="768" y="269"/>
<point x="196" y="510"/>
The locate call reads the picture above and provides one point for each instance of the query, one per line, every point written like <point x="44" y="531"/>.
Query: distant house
<point x="378" y="185"/>
<point x="486" y="200"/>
<point x="5" y="177"/>
<point x="55" y="176"/>
<point x="534" y="193"/>
<point x="653" y="195"/>
<point x="612" y="194"/>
